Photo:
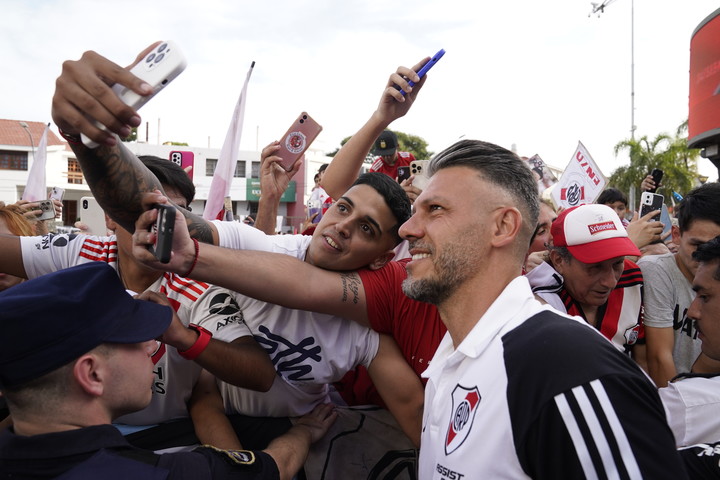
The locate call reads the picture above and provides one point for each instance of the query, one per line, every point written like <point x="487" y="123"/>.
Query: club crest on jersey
<point x="295" y="142"/>
<point x="464" y="405"/>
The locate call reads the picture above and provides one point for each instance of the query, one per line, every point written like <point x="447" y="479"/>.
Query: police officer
<point x="75" y="353"/>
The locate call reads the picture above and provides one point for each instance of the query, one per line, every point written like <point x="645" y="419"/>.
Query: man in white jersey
<point x="232" y="354"/>
<point x="516" y="389"/>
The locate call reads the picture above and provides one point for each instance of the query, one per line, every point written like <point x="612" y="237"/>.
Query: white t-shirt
<point x="212" y="307"/>
<point x="692" y="406"/>
<point x="309" y="350"/>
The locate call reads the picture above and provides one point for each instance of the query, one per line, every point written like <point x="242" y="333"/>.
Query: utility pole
<point x="599" y="8"/>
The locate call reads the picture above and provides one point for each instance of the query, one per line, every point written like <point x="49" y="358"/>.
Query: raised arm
<point x="274" y="180"/>
<point x="344" y="168"/>
<point x="269" y="277"/>
<point x="116" y="176"/>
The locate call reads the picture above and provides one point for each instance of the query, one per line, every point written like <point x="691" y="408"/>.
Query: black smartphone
<point x="657" y="175"/>
<point x="649" y="202"/>
<point x="163" y="229"/>
<point x="403" y="173"/>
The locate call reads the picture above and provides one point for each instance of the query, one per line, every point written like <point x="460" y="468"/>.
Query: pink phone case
<point x="184" y="159"/>
<point x="297" y="139"/>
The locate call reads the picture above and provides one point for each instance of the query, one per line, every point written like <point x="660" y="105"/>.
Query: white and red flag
<point x="225" y="168"/>
<point x="36" y="186"/>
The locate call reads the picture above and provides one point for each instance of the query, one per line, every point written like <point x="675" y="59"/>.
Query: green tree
<point x="668" y="153"/>
<point x="406" y="143"/>
<point x="132" y="137"/>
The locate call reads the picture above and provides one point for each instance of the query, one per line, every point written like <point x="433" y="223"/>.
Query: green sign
<point x="253" y="191"/>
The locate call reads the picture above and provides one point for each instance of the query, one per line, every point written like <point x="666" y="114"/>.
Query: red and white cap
<point x="592" y="233"/>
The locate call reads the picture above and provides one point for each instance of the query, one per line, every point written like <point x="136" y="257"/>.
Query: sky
<point x="537" y="75"/>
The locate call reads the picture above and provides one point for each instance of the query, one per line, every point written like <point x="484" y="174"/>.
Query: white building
<point x="17" y="153"/>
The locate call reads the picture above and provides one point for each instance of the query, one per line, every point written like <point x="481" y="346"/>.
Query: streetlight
<point x="27" y="129"/>
<point x="599" y="8"/>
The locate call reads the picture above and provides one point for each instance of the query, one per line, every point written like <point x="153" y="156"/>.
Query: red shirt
<point x="415" y="326"/>
<point x="403" y="160"/>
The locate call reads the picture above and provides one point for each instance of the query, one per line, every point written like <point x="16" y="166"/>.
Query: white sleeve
<point x="239" y="236"/>
<point x="675" y="409"/>
<point x="217" y="311"/>
<point x="50" y="253"/>
<point x="371" y="343"/>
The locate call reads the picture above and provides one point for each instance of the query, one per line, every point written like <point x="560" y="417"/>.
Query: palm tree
<point x="668" y="153"/>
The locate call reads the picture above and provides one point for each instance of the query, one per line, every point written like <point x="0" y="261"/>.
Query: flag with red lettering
<point x="36" y="187"/>
<point x="581" y="182"/>
<point x="225" y="168"/>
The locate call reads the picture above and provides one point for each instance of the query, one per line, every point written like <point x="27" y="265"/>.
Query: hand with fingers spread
<point x="83" y="95"/>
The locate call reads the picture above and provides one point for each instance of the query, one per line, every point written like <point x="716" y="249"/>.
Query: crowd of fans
<point x="467" y="330"/>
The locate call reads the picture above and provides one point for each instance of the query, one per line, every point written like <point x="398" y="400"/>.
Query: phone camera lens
<point x="304" y="117"/>
<point x="150" y="58"/>
<point x="85" y="204"/>
<point x="159" y="58"/>
<point x="162" y="47"/>
<point x="302" y="121"/>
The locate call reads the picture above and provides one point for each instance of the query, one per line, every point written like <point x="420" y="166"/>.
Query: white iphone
<point x="159" y="67"/>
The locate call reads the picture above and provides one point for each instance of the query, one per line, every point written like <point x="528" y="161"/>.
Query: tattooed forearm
<point x="350" y="285"/>
<point x="199" y="228"/>
<point x="117" y="179"/>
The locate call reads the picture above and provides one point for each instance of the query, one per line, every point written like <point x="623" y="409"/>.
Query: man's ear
<point x="382" y="260"/>
<point x="89" y="373"/>
<point x="110" y="223"/>
<point x="675" y="234"/>
<point x="557" y="261"/>
<point x="508" y="224"/>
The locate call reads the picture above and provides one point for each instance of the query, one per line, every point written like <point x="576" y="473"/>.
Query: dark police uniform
<point x="102" y="452"/>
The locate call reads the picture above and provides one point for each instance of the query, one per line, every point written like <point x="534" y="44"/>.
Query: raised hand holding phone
<point x="431" y="63"/>
<point x="159" y="67"/>
<point x="303" y="131"/>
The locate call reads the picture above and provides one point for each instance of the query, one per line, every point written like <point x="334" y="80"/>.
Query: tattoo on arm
<point x="199" y="228"/>
<point x="118" y="180"/>
<point x="350" y="285"/>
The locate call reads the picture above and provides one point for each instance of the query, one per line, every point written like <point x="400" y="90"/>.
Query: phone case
<point x="186" y="160"/>
<point x="164" y="229"/>
<point x="159" y="67"/>
<point x="297" y="140"/>
<point x="92" y="215"/>
<point x="403" y="173"/>
<point x="57" y="193"/>
<point x="666" y="221"/>
<point x="48" y="210"/>
<point x="649" y="202"/>
<point x="419" y="169"/>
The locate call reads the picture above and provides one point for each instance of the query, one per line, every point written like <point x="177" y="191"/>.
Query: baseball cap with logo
<point x="592" y="233"/>
<point x="53" y="319"/>
<point x="386" y="143"/>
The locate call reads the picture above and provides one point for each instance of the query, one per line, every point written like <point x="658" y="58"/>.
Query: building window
<point x="211" y="164"/>
<point x="13" y="160"/>
<point x="255" y="170"/>
<point x="74" y="172"/>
